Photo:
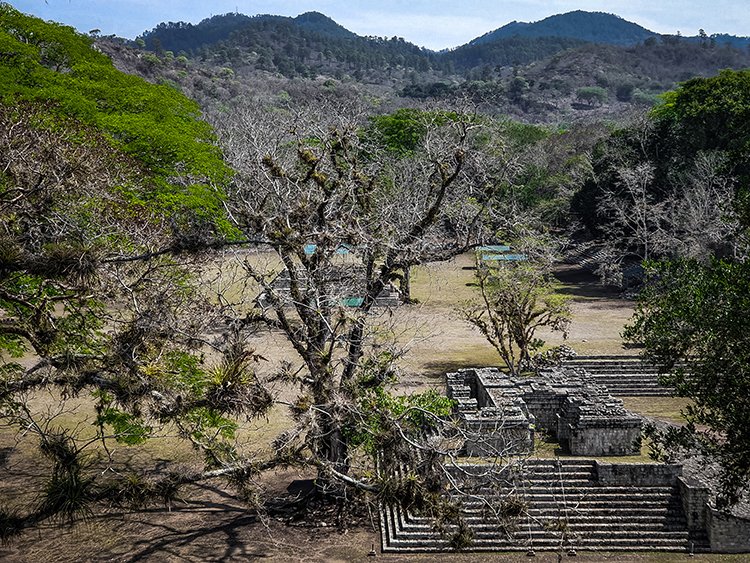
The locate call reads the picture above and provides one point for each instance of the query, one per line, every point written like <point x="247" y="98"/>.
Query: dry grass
<point x="668" y="409"/>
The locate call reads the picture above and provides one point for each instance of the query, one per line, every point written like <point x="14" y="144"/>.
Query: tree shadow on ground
<point x="215" y="528"/>
<point x="578" y="282"/>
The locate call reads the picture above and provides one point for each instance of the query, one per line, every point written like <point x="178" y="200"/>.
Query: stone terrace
<point x="623" y="376"/>
<point x="568" y="504"/>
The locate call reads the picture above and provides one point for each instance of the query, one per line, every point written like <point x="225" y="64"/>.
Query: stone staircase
<point x="623" y="376"/>
<point x="587" y="255"/>
<point x="566" y="508"/>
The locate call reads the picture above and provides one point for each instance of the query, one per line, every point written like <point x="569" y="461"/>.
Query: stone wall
<point x="640" y="474"/>
<point x="544" y="406"/>
<point x="493" y="432"/>
<point x="727" y="533"/>
<point x="603" y="439"/>
<point x="694" y="496"/>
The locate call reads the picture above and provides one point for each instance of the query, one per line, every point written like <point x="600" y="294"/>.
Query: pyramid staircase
<point x="623" y="376"/>
<point x="566" y="508"/>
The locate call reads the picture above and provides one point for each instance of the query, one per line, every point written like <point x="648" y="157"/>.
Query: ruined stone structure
<point x="504" y="412"/>
<point x="623" y="376"/>
<point x="568" y="504"/>
<point x="579" y="504"/>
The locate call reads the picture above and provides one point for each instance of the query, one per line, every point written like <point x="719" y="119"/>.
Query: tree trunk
<point x="405" y="285"/>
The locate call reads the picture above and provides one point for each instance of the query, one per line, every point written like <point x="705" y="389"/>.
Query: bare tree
<point x="100" y="296"/>
<point x="516" y="299"/>
<point x="310" y="183"/>
<point x="702" y="218"/>
<point x="635" y="221"/>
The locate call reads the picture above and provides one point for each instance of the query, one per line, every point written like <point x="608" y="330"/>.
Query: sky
<point x="435" y="24"/>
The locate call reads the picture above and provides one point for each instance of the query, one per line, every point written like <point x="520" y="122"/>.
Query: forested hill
<point x="306" y="45"/>
<point x="594" y="27"/>
<point x="313" y="44"/>
<point x="534" y="78"/>
<point x="189" y="38"/>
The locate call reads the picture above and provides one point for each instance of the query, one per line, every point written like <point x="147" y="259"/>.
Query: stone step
<point x="641" y="387"/>
<point x="572" y="477"/>
<point x="626" y="379"/>
<point x="593" y="368"/>
<point x="614" y="527"/>
<point x="579" y="524"/>
<point x="555" y="492"/>
<point x="590" y="487"/>
<point x="553" y="544"/>
<point x="498" y="535"/>
<point x="488" y="538"/>
<point x="533" y="467"/>
<point x="587" y="504"/>
<point x="593" y="492"/>
<point x="615" y="393"/>
<point x="592" y="514"/>
<point x="573" y="532"/>
<point x="634" y="386"/>
<point x="549" y="468"/>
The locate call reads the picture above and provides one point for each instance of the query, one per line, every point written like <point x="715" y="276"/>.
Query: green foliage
<point x="52" y="64"/>
<point x="712" y="114"/>
<point x="402" y="131"/>
<point x="414" y="413"/>
<point x="644" y="98"/>
<point x="179" y="370"/>
<point x="715" y="108"/>
<point x="591" y="94"/>
<point x="694" y="321"/>
<point x="128" y="429"/>
<point x="207" y="423"/>
<point x="522" y="135"/>
<point x="624" y="91"/>
<point x="69" y="492"/>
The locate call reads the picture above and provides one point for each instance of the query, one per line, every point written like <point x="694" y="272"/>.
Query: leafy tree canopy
<point x="695" y="321"/>
<point x="402" y="132"/>
<point x="711" y="114"/>
<point x="158" y="126"/>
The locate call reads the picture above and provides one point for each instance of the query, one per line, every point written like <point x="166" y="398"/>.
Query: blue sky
<point x="435" y="24"/>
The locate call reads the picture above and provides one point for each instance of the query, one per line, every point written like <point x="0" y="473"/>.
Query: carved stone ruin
<point x="506" y="411"/>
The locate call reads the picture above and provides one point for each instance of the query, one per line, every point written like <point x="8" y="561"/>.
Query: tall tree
<point x="693" y="320"/>
<point x="310" y="184"/>
<point x="99" y="221"/>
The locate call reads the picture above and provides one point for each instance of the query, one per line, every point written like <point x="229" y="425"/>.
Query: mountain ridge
<point x="594" y="27"/>
<point x="578" y="25"/>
